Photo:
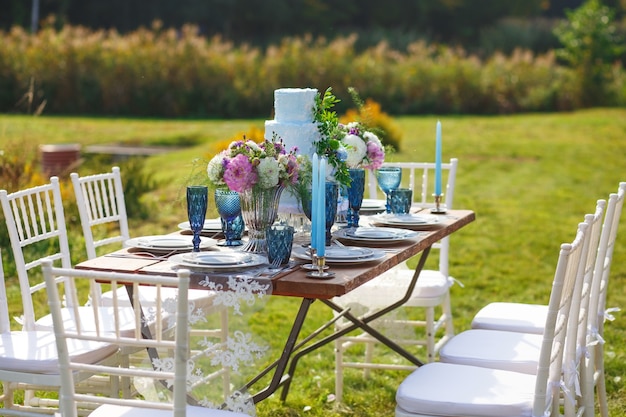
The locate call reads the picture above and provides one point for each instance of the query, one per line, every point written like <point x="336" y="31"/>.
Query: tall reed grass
<point x="179" y="73"/>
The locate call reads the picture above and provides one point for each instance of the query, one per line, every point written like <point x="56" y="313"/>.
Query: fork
<point x="275" y="264"/>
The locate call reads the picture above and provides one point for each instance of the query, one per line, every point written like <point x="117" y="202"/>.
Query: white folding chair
<point x="520" y="352"/>
<point x="526" y="318"/>
<point x="170" y="374"/>
<point x="29" y="361"/>
<point x="445" y="389"/>
<point x="102" y="210"/>
<point x="431" y="292"/>
<point x="593" y="372"/>
<point x="36" y="225"/>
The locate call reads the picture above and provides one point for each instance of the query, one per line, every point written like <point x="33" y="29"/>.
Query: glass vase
<point x="355" y="195"/>
<point x="259" y="208"/>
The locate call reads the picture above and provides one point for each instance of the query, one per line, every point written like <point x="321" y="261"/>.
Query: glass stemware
<point x="332" y="194"/>
<point x="197" y="200"/>
<point x="229" y="208"/>
<point x="355" y="195"/>
<point x="388" y="179"/>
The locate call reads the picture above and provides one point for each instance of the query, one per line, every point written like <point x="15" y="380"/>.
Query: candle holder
<point x="439" y="207"/>
<point x="318" y="269"/>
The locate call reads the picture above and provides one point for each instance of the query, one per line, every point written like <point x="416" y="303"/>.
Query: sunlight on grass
<point x="529" y="178"/>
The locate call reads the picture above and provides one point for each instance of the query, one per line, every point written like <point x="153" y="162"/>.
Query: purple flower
<point x="239" y="174"/>
<point x="375" y="155"/>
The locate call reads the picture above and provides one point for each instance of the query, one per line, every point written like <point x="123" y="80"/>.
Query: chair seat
<point x="514" y="317"/>
<point x="390" y="287"/>
<point x="88" y="319"/>
<point x="36" y="352"/>
<point x="465" y="391"/>
<point x="147" y="296"/>
<point x="108" y="410"/>
<point x="512" y="351"/>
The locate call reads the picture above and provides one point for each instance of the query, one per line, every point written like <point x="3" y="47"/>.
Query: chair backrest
<point x="549" y="370"/>
<point x="605" y="255"/>
<point x="100" y="200"/>
<point x="576" y="340"/>
<point x="36" y="224"/>
<point x="422" y="193"/>
<point x="169" y="373"/>
<point x="424" y="172"/>
<point x="5" y="325"/>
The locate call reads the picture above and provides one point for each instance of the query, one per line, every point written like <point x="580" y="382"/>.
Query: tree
<point x="591" y="44"/>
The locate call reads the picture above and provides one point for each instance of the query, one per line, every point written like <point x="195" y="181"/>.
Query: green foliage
<point x="168" y="73"/>
<point x="591" y="45"/>
<point x="530" y="178"/>
<point x="330" y="136"/>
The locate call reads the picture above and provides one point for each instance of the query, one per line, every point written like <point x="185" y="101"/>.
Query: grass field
<point x="529" y="178"/>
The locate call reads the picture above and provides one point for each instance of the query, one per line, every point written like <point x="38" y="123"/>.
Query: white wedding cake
<point x="294" y="124"/>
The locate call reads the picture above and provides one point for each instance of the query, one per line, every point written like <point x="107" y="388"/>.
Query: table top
<point x="294" y="282"/>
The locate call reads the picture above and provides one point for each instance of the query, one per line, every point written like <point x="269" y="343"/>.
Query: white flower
<point x="254" y="146"/>
<point x="370" y="137"/>
<point x="268" y="172"/>
<point x="356" y="149"/>
<point x="215" y="169"/>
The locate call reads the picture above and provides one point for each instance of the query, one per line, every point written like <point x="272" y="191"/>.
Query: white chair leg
<point x="338" y="370"/>
<point x="369" y="356"/>
<point x="430" y="333"/>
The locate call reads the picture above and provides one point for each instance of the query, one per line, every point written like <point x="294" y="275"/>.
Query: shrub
<point x="159" y="72"/>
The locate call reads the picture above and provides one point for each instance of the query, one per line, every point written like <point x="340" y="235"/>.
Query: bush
<point x="160" y="72"/>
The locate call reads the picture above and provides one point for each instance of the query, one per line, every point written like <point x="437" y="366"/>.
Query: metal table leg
<point x="362" y="324"/>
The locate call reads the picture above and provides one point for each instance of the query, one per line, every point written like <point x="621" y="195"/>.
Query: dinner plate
<point x="302" y="253"/>
<point x="371" y="204"/>
<point x="380" y="235"/>
<point x="347" y="252"/>
<point x="210" y="225"/>
<point x="409" y="219"/>
<point x="167" y="242"/>
<point x="218" y="260"/>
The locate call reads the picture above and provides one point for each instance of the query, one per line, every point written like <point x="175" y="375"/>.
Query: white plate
<point x="229" y="260"/>
<point x="409" y="219"/>
<point x="168" y="242"/>
<point x="347" y="252"/>
<point x="370" y="204"/>
<point x="210" y="225"/>
<point x="375" y="234"/>
<point x="302" y="253"/>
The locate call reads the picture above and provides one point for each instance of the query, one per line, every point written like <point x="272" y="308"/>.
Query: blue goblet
<point x="197" y="200"/>
<point x="229" y="208"/>
<point x="388" y="179"/>
<point x="355" y="195"/>
<point x="332" y="193"/>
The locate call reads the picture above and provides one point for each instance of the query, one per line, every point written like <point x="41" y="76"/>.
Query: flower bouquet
<point x="363" y="148"/>
<point x="259" y="173"/>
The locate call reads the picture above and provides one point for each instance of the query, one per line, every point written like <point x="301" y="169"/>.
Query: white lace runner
<point x="227" y="350"/>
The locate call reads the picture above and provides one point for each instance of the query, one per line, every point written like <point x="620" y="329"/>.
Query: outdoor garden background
<point x="531" y="95"/>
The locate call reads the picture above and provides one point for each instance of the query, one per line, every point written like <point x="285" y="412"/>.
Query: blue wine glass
<point x="197" y="200"/>
<point x="355" y="195"/>
<point x="388" y="179"/>
<point x="229" y="208"/>
<point x="332" y="193"/>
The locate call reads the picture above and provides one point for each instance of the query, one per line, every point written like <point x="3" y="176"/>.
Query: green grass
<point x="529" y="178"/>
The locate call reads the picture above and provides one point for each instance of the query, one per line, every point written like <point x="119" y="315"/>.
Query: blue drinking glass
<point x="355" y="195"/>
<point x="229" y="208"/>
<point x="388" y="179"/>
<point x="332" y="194"/>
<point x="197" y="201"/>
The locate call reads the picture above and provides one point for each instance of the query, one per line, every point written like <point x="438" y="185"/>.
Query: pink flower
<point x="375" y="155"/>
<point x="239" y="174"/>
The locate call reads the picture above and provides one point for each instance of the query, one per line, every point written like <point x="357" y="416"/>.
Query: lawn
<point x="529" y="178"/>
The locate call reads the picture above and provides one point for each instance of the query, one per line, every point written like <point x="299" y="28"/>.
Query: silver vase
<point x="259" y="209"/>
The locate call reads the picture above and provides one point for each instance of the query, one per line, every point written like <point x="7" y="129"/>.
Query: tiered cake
<point x="294" y="124"/>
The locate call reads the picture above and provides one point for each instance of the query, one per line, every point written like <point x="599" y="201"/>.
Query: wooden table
<point x="294" y="283"/>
